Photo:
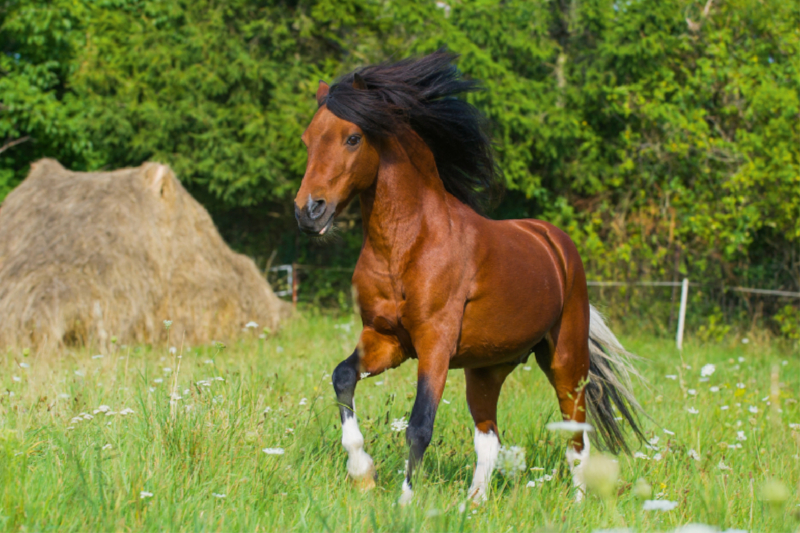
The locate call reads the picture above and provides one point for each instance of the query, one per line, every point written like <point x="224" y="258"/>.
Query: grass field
<point x="94" y="443"/>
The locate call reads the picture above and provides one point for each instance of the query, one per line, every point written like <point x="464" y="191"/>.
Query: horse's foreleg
<point x="483" y="390"/>
<point x="431" y="378"/>
<point x="375" y="354"/>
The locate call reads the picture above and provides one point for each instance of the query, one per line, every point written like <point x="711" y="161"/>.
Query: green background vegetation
<point x="663" y="135"/>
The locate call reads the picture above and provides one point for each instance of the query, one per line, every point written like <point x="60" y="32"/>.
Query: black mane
<point x="421" y="94"/>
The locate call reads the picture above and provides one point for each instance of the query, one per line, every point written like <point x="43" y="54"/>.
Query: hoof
<point x="365" y="483"/>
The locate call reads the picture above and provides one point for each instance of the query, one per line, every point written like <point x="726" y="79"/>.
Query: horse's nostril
<point x="315" y="209"/>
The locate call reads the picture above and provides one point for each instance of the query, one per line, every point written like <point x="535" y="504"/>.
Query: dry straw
<point x="85" y="257"/>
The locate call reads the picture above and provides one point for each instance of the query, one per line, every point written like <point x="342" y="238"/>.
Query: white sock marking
<point x="406" y="495"/>
<point x="574" y="456"/>
<point x="359" y="463"/>
<point x="487" y="446"/>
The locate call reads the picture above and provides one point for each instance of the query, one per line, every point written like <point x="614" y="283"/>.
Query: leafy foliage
<point x="662" y="135"/>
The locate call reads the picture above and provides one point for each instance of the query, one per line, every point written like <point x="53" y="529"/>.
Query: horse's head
<point x="341" y="163"/>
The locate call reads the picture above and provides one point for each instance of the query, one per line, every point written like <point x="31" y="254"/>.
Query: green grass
<point x="88" y="474"/>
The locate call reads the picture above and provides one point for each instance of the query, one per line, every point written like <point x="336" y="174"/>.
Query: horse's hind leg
<point x="565" y="361"/>
<point x="483" y="390"/>
<point x="375" y="354"/>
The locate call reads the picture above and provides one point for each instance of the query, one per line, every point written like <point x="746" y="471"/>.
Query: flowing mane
<point x="422" y="94"/>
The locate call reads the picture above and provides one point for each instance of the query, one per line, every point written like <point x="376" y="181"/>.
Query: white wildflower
<point x="126" y="411"/>
<point x="740" y="385"/>
<point x="569" y="425"/>
<point x="103" y="408"/>
<point x="694" y="455"/>
<point x="279" y="349"/>
<point x="251" y="325"/>
<point x="273" y="451"/>
<point x="526" y="368"/>
<point x="167" y="370"/>
<point x="220" y="496"/>
<point x="753" y="409"/>
<point x="80" y="373"/>
<point x="208" y="362"/>
<point x="668" y="432"/>
<point x="173" y="350"/>
<point x="144" y="494"/>
<point x="657" y="457"/>
<point x="714" y="389"/>
<point x="692" y="392"/>
<point x="98" y="356"/>
<point x="671" y="376"/>
<point x="724" y="408"/>
<point x="511" y="460"/>
<point x="740" y="435"/>
<point x="745" y="341"/>
<point x="640" y="455"/>
<point x="693" y="411"/>
<point x="167" y="323"/>
<point x="267" y="409"/>
<point x="399" y="424"/>
<point x="707" y="370"/>
<point x="659" y="505"/>
<point x="24" y="365"/>
<point x="158" y="380"/>
<point x="303" y="401"/>
<point x="16" y="378"/>
<point x="531" y="484"/>
<point x="723" y="466"/>
<point x="379" y="383"/>
<point x="107" y="447"/>
<point x="741" y="359"/>
<point x="794" y="426"/>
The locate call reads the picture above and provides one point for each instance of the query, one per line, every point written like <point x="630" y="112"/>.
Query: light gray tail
<point x="610" y="372"/>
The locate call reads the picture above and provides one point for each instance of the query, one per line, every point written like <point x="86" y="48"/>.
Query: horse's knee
<point x="344" y="378"/>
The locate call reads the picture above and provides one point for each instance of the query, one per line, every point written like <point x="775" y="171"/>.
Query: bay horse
<point x="438" y="282"/>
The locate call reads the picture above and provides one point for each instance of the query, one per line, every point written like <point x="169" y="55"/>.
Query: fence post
<point x="682" y="313"/>
<point x="295" y="282"/>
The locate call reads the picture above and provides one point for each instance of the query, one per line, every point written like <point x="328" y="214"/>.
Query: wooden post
<point x="682" y="313"/>
<point x="295" y="284"/>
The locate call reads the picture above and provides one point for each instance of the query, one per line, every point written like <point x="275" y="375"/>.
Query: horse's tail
<point x="610" y="372"/>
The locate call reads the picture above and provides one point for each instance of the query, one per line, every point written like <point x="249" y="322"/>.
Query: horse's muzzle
<point x="315" y="218"/>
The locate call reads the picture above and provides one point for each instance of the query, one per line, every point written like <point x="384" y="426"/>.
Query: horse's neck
<point x="407" y="198"/>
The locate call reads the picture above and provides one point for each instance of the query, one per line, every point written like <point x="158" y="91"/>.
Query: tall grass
<point x="202" y="456"/>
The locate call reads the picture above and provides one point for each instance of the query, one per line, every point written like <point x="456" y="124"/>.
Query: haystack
<point x="85" y="257"/>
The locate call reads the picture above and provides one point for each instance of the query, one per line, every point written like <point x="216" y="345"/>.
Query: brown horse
<point x="440" y="283"/>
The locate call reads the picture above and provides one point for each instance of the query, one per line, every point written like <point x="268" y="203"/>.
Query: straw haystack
<point x="85" y="257"/>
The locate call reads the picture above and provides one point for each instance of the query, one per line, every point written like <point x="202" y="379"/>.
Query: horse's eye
<point x="353" y="140"/>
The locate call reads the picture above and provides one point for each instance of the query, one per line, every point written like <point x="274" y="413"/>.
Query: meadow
<point x="154" y="439"/>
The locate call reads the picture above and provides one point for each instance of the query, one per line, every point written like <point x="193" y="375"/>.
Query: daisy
<point x="659" y="505"/>
<point x="569" y="425"/>
<point x="273" y="451"/>
<point x="707" y="370"/>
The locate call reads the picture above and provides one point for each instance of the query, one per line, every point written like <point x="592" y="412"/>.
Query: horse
<point x="438" y="281"/>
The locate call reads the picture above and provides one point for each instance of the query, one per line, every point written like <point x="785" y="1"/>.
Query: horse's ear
<point x="322" y="90"/>
<point x="358" y="82"/>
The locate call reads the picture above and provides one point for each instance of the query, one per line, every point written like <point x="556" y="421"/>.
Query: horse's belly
<point x="489" y="338"/>
<point x="517" y="301"/>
